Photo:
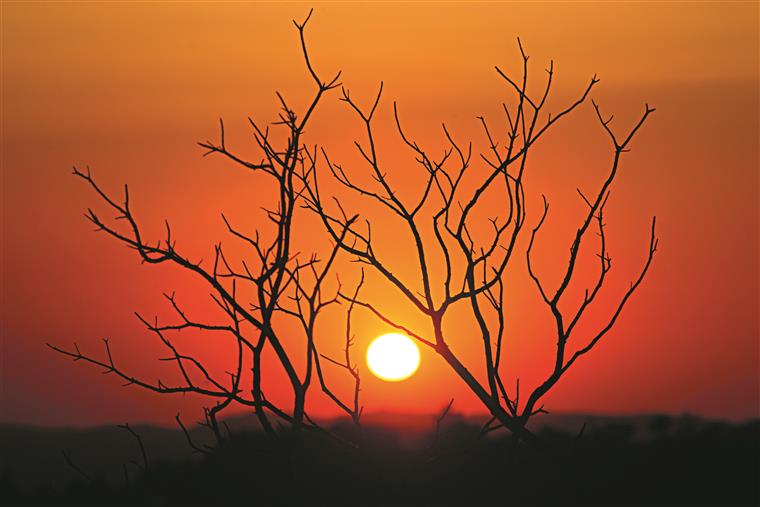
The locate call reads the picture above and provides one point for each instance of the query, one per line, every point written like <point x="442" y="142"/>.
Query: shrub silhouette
<point x="280" y="284"/>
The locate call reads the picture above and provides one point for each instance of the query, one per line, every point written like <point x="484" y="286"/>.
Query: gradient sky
<point x="129" y="88"/>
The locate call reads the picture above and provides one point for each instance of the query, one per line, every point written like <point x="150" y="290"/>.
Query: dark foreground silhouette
<point x="655" y="460"/>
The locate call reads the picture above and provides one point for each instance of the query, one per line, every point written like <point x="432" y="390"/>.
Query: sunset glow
<point x="85" y="90"/>
<point x="231" y="233"/>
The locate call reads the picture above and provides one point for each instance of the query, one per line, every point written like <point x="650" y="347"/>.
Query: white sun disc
<point x="393" y="357"/>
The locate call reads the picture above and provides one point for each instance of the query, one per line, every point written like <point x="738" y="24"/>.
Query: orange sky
<point x="128" y="88"/>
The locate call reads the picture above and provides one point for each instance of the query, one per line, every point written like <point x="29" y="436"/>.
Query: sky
<point x="129" y="88"/>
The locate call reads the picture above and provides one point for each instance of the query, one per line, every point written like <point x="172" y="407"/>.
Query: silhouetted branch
<point x="356" y="410"/>
<point x="189" y="439"/>
<point x="144" y="465"/>
<point x="67" y="457"/>
<point x="439" y="419"/>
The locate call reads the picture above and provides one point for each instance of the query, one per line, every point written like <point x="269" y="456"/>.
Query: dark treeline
<point x="670" y="461"/>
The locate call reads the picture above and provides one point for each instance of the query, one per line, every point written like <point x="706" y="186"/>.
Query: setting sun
<point x="393" y="357"/>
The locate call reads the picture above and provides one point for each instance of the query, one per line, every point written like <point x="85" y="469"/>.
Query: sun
<point x="393" y="357"/>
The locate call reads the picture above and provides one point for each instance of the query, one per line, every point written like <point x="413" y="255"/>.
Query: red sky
<point x="129" y="89"/>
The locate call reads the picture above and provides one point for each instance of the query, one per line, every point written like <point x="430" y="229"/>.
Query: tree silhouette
<point x="280" y="281"/>
<point x="474" y="273"/>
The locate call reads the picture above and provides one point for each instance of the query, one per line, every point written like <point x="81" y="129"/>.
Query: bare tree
<point x="475" y="272"/>
<point x="251" y="292"/>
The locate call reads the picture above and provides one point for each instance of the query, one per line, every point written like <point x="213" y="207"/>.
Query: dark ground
<point x="644" y="460"/>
